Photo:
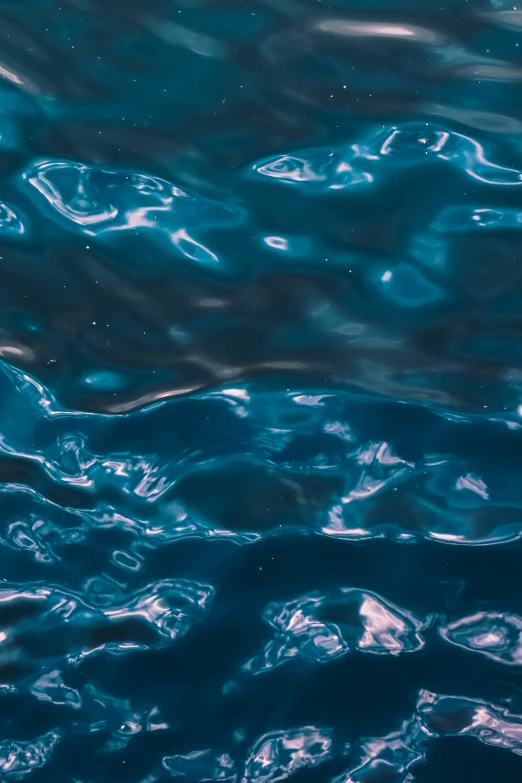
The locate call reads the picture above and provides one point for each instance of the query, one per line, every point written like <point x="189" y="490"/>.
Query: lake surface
<point x="260" y="391"/>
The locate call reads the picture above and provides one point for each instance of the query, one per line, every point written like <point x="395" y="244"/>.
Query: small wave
<point x="320" y="627"/>
<point x="371" y="159"/>
<point x="96" y="202"/>
<point x="279" y="754"/>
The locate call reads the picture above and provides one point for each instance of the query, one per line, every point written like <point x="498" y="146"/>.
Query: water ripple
<point x="319" y="627"/>
<point x="279" y="754"/>
<point x="498" y="635"/>
<point x="18" y="759"/>
<point x="97" y="201"/>
<point x="201" y="765"/>
<point x="54" y="623"/>
<point x="387" y="757"/>
<point x="444" y="716"/>
<point x="367" y="161"/>
<point x="302" y="463"/>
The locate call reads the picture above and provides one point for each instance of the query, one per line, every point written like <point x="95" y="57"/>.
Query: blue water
<point x="260" y="391"/>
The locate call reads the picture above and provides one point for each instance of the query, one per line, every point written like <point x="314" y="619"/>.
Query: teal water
<point x="260" y="391"/>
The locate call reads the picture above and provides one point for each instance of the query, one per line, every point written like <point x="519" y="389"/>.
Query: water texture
<point x="260" y="391"/>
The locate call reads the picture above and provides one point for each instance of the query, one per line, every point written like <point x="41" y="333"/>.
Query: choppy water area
<point x="260" y="391"/>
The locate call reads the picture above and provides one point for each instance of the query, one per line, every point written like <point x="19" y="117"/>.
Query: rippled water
<point x="261" y="391"/>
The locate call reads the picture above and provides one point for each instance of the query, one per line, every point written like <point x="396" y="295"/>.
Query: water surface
<point x="260" y="391"/>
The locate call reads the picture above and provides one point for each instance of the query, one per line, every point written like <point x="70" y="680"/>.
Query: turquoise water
<point x="260" y="391"/>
